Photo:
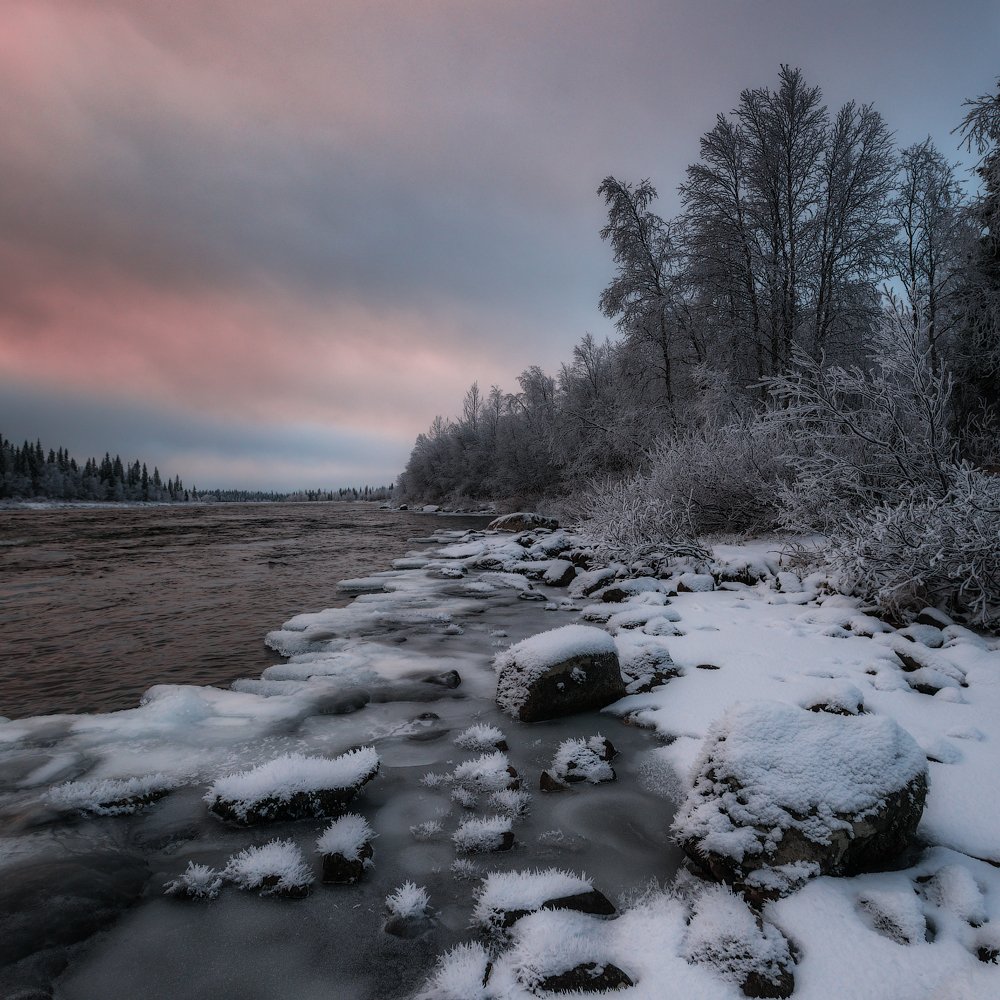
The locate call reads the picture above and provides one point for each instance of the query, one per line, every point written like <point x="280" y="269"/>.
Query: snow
<point x="459" y="975"/>
<point x="582" y="760"/>
<point x="110" y="796"/>
<point x="512" y="801"/>
<point x="408" y="901"/>
<point x="724" y="935"/>
<point x="523" y="890"/>
<point x="482" y="835"/>
<point x="345" y="836"/>
<point x="479" y="737"/>
<point x="767" y="768"/>
<point x="278" y="860"/>
<point x="487" y="773"/>
<point x="290" y="774"/>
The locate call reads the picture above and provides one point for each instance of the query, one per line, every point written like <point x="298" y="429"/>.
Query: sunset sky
<point x="263" y="244"/>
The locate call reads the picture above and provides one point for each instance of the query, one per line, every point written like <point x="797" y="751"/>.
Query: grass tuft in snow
<point x="480" y="738"/>
<point x="427" y="831"/>
<point x="512" y="801"/>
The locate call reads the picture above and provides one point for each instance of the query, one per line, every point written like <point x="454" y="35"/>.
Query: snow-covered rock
<point x="293" y="786"/>
<point x="276" y="868"/>
<point x="776" y="785"/>
<point x="559" y="672"/>
<point x="111" y="796"/>
<point x="484" y="835"/>
<point x="505" y="897"/>
<point x="346" y="847"/>
<point x="521" y="521"/>
<point x="580" y="760"/>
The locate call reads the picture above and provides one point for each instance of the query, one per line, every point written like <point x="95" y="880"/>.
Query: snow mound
<point x="585" y="759"/>
<point x="726" y="935"/>
<point x="459" y="975"/>
<point x="276" y="868"/>
<point x="292" y="786"/>
<point x="766" y="769"/>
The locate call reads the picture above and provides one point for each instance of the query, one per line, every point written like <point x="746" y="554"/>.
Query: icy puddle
<point x="88" y="917"/>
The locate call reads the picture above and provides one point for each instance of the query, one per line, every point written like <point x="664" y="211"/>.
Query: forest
<point x="28" y="472"/>
<point x="811" y="347"/>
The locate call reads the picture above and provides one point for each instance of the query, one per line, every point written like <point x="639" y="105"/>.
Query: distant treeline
<point x="28" y="472"/>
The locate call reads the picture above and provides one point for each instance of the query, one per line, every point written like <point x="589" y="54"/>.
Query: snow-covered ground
<point x="378" y="674"/>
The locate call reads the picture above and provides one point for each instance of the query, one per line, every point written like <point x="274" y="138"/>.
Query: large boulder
<point x="521" y="520"/>
<point x="782" y="794"/>
<point x="560" y="672"/>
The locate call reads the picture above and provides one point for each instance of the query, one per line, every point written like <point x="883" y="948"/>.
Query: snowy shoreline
<point x="779" y="639"/>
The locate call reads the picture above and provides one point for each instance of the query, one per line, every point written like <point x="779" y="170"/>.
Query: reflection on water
<point x="98" y="604"/>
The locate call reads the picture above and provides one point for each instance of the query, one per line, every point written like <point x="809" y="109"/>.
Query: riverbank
<point x="359" y="675"/>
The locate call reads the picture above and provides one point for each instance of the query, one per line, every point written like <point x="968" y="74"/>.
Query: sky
<point x="263" y="244"/>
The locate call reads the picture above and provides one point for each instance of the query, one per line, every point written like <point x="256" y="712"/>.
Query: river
<point x="99" y="603"/>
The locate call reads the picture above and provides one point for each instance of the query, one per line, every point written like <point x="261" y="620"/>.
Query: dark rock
<point x="344" y="702"/>
<point x="590" y="977"/>
<point x="757" y="984"/>
<point x="338" y="870"/>
<point x="408" y="928"/>
<point x="988" y="955"/>
<point x="271" y="886"/>
<point x="448" y="679"/>
<point x="706" y="666"/>
<point x="592" y="902"/>
<point x="547" y="783"/>
<point x="560" y="691"/>
<point x="531" y="595"/>
<point x="560" y="574"/>
<point x="931" y="616"/>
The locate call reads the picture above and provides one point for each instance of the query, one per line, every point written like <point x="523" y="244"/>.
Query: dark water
<point x="98" y="604"/>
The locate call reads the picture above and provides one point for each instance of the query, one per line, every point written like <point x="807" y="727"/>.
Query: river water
<point x="98" y="604"/>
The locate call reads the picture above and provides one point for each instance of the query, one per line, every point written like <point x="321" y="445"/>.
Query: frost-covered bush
<point x="712" y="479"/>
<point x="276" y="867"/>
<point x="409" y="901"/>
<point x="197" y="882"/>
<point x="942" y="551"/>
<point x="479" y="836"/>
<point x="426" y="831"/>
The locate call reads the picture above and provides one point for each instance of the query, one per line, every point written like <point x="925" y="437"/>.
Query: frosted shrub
<point x="927" y="550"/>
<point x="409" y="901"/>
<point x="724" y="478"/>
<point x="480" y="737"/>
<point x="427" y="830"/>
<point x="512" y="801"/>
<point x="197" y="882"/>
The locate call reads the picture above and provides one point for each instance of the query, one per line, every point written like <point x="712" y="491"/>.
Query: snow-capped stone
<point x="346" y="847"/>
<point x="559" y="672"/>
<point x="293" y="786"/>
<point x="695" y="583"/>
<point x="581" y="760"/>
<point x="775" y="785"/>
<point x="521" y="521"/>
<point x="505" y="897"/>
<point x="276" y="868"/>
